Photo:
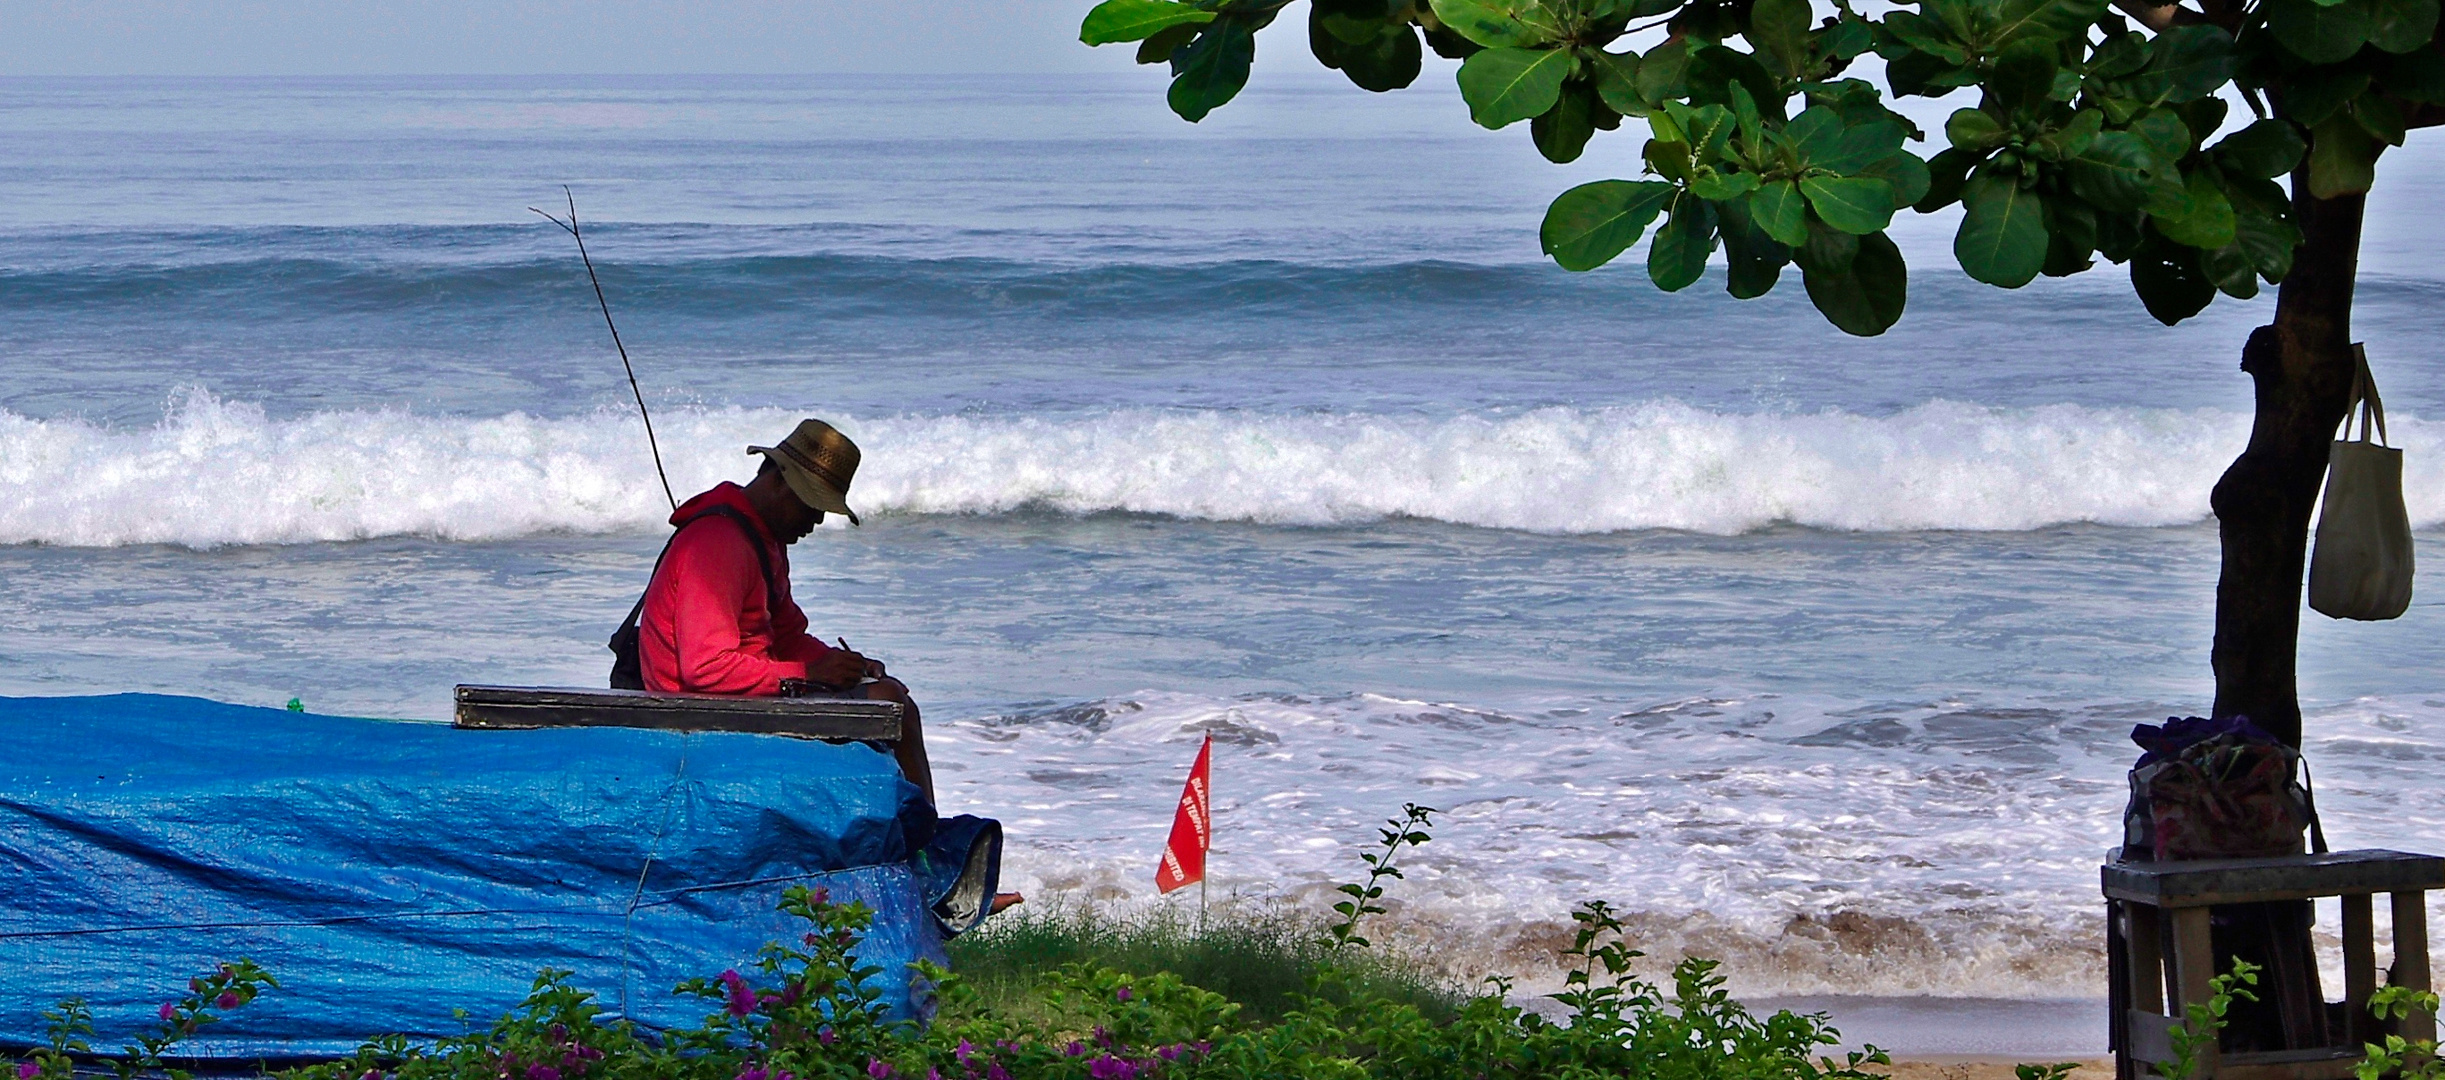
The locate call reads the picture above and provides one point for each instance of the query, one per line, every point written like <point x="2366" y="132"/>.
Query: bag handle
<point x="2364" y="401"/>
<point x="2309" y="799"/>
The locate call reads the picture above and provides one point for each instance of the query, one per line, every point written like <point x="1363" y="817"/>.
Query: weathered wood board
<point x="837" y="719"/>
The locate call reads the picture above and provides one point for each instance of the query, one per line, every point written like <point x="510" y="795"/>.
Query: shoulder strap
<point x="2365" y="406"/>
<point x="764" y="561"/>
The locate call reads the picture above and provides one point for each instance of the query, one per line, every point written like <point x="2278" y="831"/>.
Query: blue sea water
<point x="1811" y="652"/>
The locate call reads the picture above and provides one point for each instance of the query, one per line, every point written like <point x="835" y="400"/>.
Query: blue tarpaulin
<point x="388" y="872"/>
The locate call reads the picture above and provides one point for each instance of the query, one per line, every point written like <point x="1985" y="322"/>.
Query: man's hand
<point x="838" y="668"/>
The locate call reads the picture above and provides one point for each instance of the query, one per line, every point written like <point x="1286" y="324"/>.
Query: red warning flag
<point x="1184" y="855"/>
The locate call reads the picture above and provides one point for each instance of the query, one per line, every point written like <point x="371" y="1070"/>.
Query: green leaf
<point x="1678" y="256"/>
<point x="1720" y="187"/>
<point x="2320" y="35"/>
<point x="1212" y="69"/>
<point x="2071" y="237"/>
<point x="2209" y="223"/>
<point x="1927" y="36"/>
<point x="1506" y="85"/>
<point x="1866" y="298"/>
<point x="1828" y="251"/>
<point x="1779" y="31"/>
<point x="1587" y="226"/>
<point x="2229" y="268"/>
<point x="1617" y="82"/>
<point x="2313" y="94"/>
<point x="1375" y="54"/>
<point x="2342" y="158"/>
<point x="2268" y="148"/>
<point x="1973" y="131"/>
<point x="2268" y="241"/>
<point x="1855" y="205"/>
<point x="1946" y="172"/>
<point x="2401" y="26"/>
<point x="1564" y="130"/>
<point x="1754" y="261"/>
<point x="1135" y="20"/>
<point x="2167" y="135"/>
<point x="1158" y="49"/>
<point x="2024" y="75"/>
<point x="1814" y="134"/>
<point x="1663" y="74"/>
<point x="2072" y="139"/>
<point x="1905" y="172"/>
<point x="1498" y="24"/>
<point x="2003" y="231"/>
<point x="1780" y="211"/>
<point x="2168" y="280"/>
<point x="2185" y="63"/>
<point x="1670" y="160"/>
<point x="2116" y="172"/>
<point x="2044" y="20"/>
<point x="1859" y="146"/>
<point x="2382" y="119"/>
<point x="2418" y="76"/>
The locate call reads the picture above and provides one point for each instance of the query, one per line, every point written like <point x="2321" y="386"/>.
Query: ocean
<point x="1813" y="653"/>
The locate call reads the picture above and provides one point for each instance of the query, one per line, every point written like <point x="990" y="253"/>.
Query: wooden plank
<point x="527" y="707"/>
<point x="2151" y="1037"/>
<point x="2411" y="958"/>
<point x="2359" y="966"/>
<point x="2199" y="882"/>
<point x="2147" y="950"/>
<point x="2194" y="965"/>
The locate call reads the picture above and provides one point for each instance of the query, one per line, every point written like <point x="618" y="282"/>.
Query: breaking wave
<point x="217" y="472"/>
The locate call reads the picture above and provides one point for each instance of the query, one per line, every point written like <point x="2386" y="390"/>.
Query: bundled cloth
<point x="2212" y="789"/>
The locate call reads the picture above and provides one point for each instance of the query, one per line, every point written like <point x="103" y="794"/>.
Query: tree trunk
<point x="2302" y="367"/>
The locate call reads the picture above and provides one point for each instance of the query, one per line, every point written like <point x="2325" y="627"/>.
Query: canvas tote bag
<point x="2361" y="566"/>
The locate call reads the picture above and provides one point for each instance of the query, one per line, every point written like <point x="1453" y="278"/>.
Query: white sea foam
<point x="217" y="472"/>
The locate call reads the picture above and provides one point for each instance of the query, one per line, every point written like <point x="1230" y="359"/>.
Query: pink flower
<point x="169" y="1010"/>
<point x="229" y="1000"/>
<point x="826" y="1036"/>
<point x="995" y="1071"/>
<point x="1109" y="1067"/>
<point x="819" y="895"/>
<point x="875" y="1068"/>
<point x="28" y="1070"/>
<point x="753" y="1072"/>
<point x="742" y="999"/>
<point x="542" y="1072"/>
<point x="1121" y="994"/>
<point x="962" y="1051"/>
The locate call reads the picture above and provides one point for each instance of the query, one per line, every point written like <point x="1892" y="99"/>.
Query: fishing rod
<point x="570" y="226"/>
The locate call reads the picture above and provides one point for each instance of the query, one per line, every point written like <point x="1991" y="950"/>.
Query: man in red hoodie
<point x="718" y="618"/>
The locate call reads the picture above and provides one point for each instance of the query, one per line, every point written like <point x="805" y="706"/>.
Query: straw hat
<point x="817" y="461"/>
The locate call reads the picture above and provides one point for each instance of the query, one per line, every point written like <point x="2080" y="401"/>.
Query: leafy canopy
<point x="2090" y="137"/>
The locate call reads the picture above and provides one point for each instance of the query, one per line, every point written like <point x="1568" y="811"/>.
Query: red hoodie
<point x="706" y="628"/>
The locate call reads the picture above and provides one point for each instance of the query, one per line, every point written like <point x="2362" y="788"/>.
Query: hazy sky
<point x="354" y="37"/>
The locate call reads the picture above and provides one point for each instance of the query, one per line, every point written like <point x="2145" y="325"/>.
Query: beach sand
<point x="1984" y="1067"/>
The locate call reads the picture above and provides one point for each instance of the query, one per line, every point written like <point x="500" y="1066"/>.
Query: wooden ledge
<point x="836" y="719"/>
<point x="2200" y="882"/>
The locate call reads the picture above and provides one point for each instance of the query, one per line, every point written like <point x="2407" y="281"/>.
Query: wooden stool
<point x="2139" y="893"/>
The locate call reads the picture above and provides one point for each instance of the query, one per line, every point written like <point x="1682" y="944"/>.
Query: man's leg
<point x="910" y="750"/>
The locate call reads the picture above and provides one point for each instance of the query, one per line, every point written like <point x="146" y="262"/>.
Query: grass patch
<point x="1262" y="960"/>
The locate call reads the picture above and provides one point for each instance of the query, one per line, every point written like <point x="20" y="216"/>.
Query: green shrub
<point x="1066" y="998"/>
